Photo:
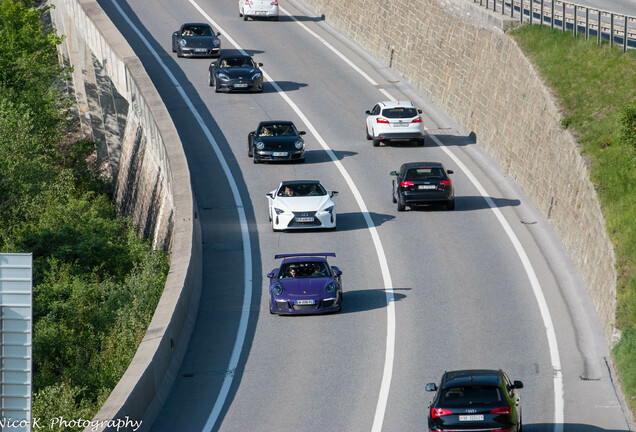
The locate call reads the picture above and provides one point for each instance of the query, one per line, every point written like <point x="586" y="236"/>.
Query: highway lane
<point x="461" y="296"/>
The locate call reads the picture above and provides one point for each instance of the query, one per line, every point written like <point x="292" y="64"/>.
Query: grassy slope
<point x="593" y="84"/>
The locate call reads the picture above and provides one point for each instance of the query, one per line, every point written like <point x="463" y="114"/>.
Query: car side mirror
<point x="218" y="34"/>
<point x="175" y="33"/>
<point x="431" y="387"/>
<point x="393" y="173"/>
<point x="302" y="133"/>
<point x="517" y="385"/>
<point x="260" y="64"/>
<point x="419" y="111"/>
<point x="449" y="171"/>
<point x="270" y="275"/>
<point x="337" y="271"/>
<point x="333" y="193"/>
<point x="273" y="273"/>
<point x="213" y="64"/>
<point x="271" y="195"/>
<point x="367" y="112"/>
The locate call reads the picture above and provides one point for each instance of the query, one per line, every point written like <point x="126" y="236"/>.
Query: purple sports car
<point x="305" y="283"/>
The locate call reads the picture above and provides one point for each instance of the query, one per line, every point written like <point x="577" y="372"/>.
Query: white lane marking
<point x="384" y="267"/>
<point x="247" y="247"/>
<point x="536" y="286"/>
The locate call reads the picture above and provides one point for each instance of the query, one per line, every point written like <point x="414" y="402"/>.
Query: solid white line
<point x="384" y="267"/>
<point x="534" y="282"/>
<point x="247" y="247"/>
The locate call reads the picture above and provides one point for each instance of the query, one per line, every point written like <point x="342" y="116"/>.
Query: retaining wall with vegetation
<point x="121" y="110"/>
<point x="460" y="59"/>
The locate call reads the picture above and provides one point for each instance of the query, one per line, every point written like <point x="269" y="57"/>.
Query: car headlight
<point x="216" y="42"/>
<point x="279" y="211"/>
<point x="277" y="289"/>
<point x="260" y="145"/>
<point x="331" y="287"/>
<point x="182" y="42"/>
<point x="256" y="76"/>
<point x="328" y="209"/>
<point x="299" y="144"/>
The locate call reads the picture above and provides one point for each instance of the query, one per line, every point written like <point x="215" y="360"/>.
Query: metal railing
<point x="614" y="27"/>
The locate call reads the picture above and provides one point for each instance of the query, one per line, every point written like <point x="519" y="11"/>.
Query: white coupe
<point x="301" y="204"/>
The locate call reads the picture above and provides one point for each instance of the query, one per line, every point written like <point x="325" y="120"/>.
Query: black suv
<point x="422" y="183"/>
<point x="477" y="399"/>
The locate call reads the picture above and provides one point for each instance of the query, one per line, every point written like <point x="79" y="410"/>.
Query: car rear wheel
<point x="420" y="142"/>
<point x="244" y="17"/>
<point x="367" y="131"/>
<point x="376" y="142"/>
<point x="451" y="205"/>
<point x="400" y="207"/>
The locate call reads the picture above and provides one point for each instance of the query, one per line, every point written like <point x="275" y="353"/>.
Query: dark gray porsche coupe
<point x="235" y="72"/>
<point x="196" y="40"/>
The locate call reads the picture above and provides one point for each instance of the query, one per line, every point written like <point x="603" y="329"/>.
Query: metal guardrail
<point x="613" y="27"/>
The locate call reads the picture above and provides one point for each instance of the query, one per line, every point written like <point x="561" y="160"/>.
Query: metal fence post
<point x="598" y="29"/>
<point x="625" y="35"/>
<point x="521" y="9"/>
<point x="552" y="14"/>
<point x="576" y="25"/>
<point x="563" y="24"/>
<point x="587" y="23"/>
<point x="612" y="30"/>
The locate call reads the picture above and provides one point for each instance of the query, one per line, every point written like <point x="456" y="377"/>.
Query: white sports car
<point x="301" y="204"/>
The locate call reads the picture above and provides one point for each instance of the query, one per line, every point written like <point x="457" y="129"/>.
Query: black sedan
<point x="236" y="72"/>
<point x="276" y="141"/>
<point x="196" y="40"/>
<point x="422" y="183"/>
<point x="476" y="400"/>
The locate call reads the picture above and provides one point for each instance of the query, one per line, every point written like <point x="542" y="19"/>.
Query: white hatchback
<point x="258" y="9"/>
<point x="394" y="120"/>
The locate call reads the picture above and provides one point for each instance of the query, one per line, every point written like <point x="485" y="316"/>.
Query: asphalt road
<point x="454" y="292"/>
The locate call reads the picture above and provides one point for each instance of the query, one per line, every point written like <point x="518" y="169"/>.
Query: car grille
<point x="280" y="304"/>
<point x="327" y="303"/>
<point x="304" y="307"/>
<point x="316" y="221"/>
<point x="192" y="51"/>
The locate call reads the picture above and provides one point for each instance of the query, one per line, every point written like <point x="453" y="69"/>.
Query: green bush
<point x="628" y="125"/>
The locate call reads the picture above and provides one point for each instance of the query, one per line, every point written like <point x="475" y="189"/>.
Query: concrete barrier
<point x="120" y="107"/>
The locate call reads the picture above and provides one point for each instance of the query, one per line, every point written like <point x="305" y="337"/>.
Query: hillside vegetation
<point x="596" y="88"/>
<point x="95" y="283"/>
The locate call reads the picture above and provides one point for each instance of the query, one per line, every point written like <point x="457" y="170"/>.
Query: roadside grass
<point x="594" y="85"/>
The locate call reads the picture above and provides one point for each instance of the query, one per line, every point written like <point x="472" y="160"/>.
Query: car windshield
<point x="237" y="62"/>
<point x="277" y="130"/>
<point x="301" y="190"/>
<point x="425" y="173"/>
<point x="196" y="31"/>
<point x="470" y="395"/>
<point x="303" y="270"/>
<point x="399" y="113"/>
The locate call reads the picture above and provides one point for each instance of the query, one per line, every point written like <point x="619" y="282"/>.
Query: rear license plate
<point x="305" y="219"/>
<point x="280" y="154"/>
<point x="427" y="187"/>
<point x="240" y="85"/>
<point x="201" y="50"/>
<point x="261" y="13"/>
<point x="400" y="124"/>
<point x="309" y="302"/>
<point x="475" y="417"/>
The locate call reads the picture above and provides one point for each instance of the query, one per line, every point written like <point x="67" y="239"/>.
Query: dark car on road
<point x="235" y="72"/>
<point x="196" y="40"/>
<point x="422" y="183"/>
<point x="305" y="283"/>
<point x="276" y="140"/>
<point x="475" y="400"/>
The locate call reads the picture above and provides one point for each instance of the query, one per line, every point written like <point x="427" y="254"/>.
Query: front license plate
<point x="427" y="187"/>
<point x="280" y="154"/>
<point x="240" y="85"/>
<point x="307" y="302"/>
<point x="305" y="219"/>
<point x="475" y="417"/>
<point x="201" y="50"/>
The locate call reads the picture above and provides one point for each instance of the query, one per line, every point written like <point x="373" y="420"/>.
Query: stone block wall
<point x="460" y="59"/>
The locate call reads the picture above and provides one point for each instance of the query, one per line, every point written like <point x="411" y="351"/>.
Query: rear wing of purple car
<point x="325" y="254"/>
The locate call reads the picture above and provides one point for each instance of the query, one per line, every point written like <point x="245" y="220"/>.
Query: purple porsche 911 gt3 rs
<point x="305" y="283"/>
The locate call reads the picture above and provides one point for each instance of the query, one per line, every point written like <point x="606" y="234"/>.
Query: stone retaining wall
<point x="120" y="108"/>
<point x="460" y="59"/>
